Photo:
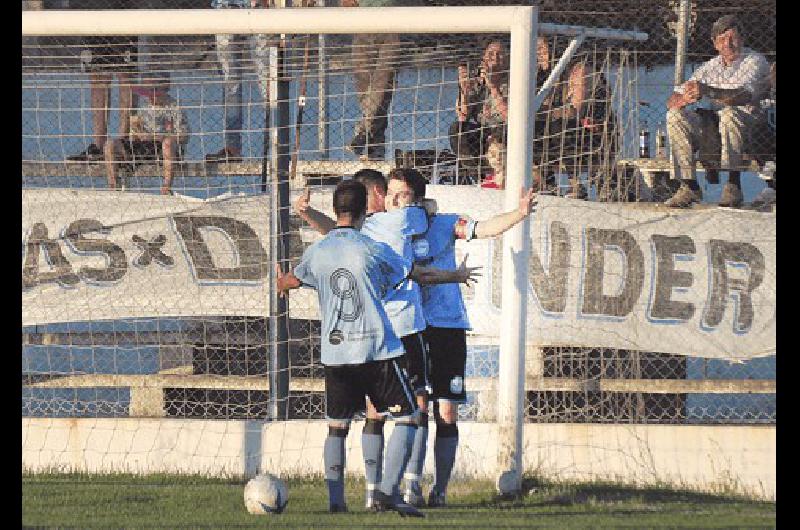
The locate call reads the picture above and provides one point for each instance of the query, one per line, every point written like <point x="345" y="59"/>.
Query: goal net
<point x="157" y="175"/>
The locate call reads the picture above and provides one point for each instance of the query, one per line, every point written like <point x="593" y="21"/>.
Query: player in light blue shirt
<point x="360" y="351"/>
<point x="446" y="316"/>
<point x="404" y="304"/>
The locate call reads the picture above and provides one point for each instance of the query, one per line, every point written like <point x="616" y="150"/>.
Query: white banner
<point x="698" y="282"/>
<point x="96" y="255"/>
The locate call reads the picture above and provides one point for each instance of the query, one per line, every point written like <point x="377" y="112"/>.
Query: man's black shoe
<point x="92" y="153"/>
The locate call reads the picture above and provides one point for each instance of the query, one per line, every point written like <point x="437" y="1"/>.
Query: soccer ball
<point x="265" y="493"/>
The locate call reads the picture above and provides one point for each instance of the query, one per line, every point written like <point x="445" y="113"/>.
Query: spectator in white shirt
<point x="733" y="82"/>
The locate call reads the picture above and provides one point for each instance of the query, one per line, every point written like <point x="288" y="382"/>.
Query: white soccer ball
<point x="265" y="493"/>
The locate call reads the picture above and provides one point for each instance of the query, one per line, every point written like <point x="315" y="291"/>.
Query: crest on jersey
<point x="421" y="248"/>
<point x="336" y="337"/>
<point x="457" y="384"/>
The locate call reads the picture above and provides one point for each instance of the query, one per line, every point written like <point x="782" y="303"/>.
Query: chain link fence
<point x="205" y="111"/>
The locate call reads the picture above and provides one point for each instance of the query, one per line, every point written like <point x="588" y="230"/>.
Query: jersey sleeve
<point x="303" y="269"/>
<point x="394" y="268"/>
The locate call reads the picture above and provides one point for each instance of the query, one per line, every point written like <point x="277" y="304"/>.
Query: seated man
<point x="482" y="110"/>
<point x="158" y="130"/>
<point x="733" y="82"/>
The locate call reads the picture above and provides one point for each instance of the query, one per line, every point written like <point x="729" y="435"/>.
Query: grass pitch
<point x="103" y="501"/>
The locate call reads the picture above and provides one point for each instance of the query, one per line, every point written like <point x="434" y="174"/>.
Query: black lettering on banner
<point x="667" y="277"/>
<point x="551" y="287"/>
<point x="345" y="288"/>
<point x="253" y="260"/>
<point x="720" y="253"/>
<point x="595" y="302"/>
<point x="61" y="272"/>
<point x="117" y="261"/>
<point x="151" y="251"/>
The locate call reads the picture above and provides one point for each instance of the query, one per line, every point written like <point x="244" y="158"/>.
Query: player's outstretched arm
<point x="285" y="282"/>
<point x="431" y="275"/>
<point x="316" y="219"/>
<point x="500" y="223"/>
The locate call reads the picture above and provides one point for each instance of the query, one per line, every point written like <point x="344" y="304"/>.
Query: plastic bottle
<point x="644" y="141"/>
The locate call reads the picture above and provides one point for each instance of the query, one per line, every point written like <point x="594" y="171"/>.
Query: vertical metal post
<point x="322" y="94"/>
<point x="682" y="36"/>
<point x="279" y="226"/>
<point x="511" y="377"/>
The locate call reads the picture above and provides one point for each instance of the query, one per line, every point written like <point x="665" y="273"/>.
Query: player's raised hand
<point x="468" y="274"/>
<point x="527" y="201"/>
<point x="301" y="203"/>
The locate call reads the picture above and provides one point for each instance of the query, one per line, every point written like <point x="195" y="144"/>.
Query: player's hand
<point x="527" y="201"/>
<point x="430" y="206"/>
<point x="468" y="274"/>
<point x="279" y="281"/>
<point x="301" y="204"/>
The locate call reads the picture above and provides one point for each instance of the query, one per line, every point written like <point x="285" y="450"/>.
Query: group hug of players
<point x="393" y="328"/>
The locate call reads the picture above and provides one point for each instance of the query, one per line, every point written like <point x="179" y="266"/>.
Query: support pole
<point x="279" y="228"/>
<point x="682" y="41"/>
<point x="511" y="382"/>
<point x="322" y="94"/>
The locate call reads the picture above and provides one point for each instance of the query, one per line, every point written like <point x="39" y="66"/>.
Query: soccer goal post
<point x="520" y="23"/>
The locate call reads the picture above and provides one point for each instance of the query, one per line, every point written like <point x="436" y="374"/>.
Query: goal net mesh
<point x="171" y="352"/>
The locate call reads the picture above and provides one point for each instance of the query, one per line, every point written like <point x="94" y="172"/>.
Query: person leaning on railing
<point x="734" y="82"/>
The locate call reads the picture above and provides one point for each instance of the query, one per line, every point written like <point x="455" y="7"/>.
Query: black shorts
<point x="384" y="382"/>
<point x="416" y="362"/>
<point x="109" y="54"/>
<point x="447" y="352"/>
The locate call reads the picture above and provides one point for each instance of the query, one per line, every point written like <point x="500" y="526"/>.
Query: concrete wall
<point x="709" y="458"/>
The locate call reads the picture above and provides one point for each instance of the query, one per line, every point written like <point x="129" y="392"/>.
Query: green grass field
<point x="86" y="501"/>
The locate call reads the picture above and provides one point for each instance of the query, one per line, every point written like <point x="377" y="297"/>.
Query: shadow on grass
<point x="538" y="493"/>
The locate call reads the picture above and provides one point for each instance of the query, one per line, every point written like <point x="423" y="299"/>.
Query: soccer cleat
<point x="92" y="153"/>
<point x="385" y="503"/>
<point x="413" y="496"/>
<point x="436" y="499"/>
<point x="337" y="508"/>
<point x="684" y="197"/>
<point x="732" y="196"/>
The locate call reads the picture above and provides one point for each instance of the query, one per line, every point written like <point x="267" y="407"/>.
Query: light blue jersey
<point x="396" y="228"/>
<point x="443" y="304"/>
<point x="352" y="274"/>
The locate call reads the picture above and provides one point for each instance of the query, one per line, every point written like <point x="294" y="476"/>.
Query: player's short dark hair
<point x="350" y="197"/>
<point x="412" y="177"/>
<point x="371" y="177"/>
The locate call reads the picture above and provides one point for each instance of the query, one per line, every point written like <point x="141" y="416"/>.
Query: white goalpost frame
<point x="521" y="22"/>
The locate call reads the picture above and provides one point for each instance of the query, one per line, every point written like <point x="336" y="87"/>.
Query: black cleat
<point x="384" y="503"/>
<point x="337" y="508"/>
